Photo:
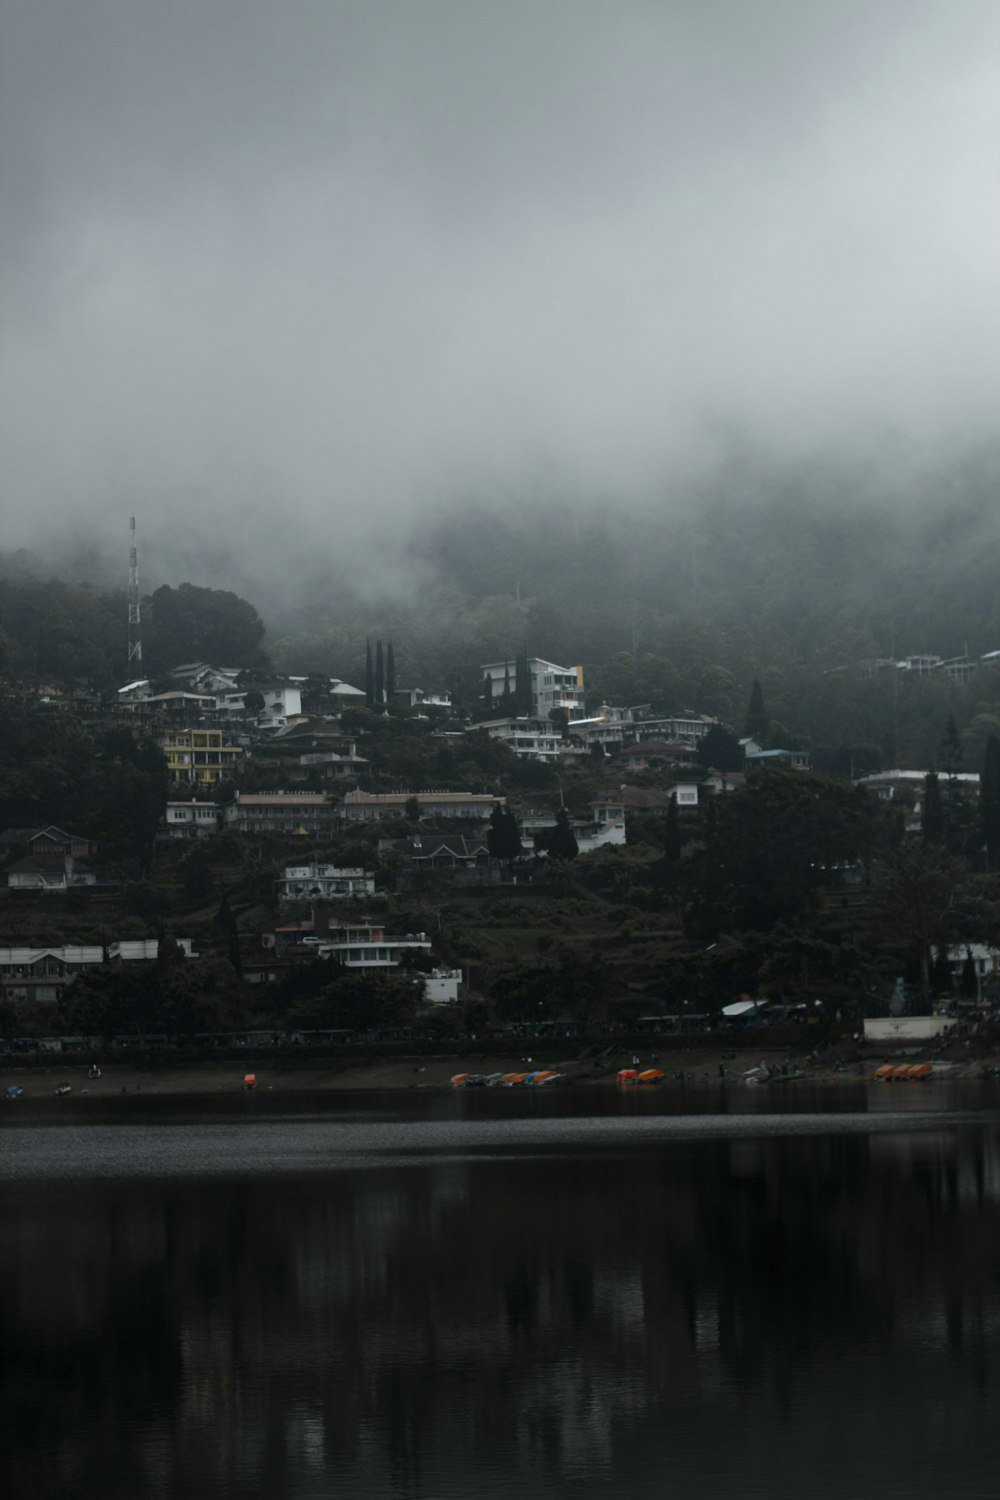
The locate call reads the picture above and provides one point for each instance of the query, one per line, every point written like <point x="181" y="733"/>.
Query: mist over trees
<point x="801" y="583"/>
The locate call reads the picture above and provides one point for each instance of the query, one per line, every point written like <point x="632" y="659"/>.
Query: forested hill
<point x="679" y="608"/>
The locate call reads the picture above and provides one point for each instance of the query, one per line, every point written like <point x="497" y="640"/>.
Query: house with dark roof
<point x="788" y="760"/>
<point x="47" y="840"/>
<point x="653" y="752"/>
<point x="439" y="851"/>
<point x="48" y="872"/>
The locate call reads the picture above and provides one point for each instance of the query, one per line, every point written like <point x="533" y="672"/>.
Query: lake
<point x="463" y="1296"/>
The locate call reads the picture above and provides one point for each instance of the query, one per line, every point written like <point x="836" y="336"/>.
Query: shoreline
<point x="699" y="1066"/>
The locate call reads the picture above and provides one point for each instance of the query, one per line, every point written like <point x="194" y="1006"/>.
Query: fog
<point x="283" y="279"/>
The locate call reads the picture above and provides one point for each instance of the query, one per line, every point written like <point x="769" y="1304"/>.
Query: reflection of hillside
<point x="535" y="1314"/>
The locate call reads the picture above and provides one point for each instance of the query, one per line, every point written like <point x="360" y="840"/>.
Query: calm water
<point x="485" y="1295"/>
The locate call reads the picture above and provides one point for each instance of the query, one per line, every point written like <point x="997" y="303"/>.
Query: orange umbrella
<point x="458" y="1080"/>
<point x="511" y="1080"/>
<point x="885" y="1072"/>
<point x="651" y="1075"/>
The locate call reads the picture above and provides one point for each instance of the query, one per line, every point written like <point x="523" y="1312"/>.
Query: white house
<point x="40" y="973"/>
<point x="190" y="820"/>
<point x="282" y="701"/>
<point x="319" y="882"/>
<point x="49" y="872"/>
<point x="373" y="807"/>
<point x="415" y="697"/>
<point x="552" y="686"/>
<point x="532" y="738"/>
<point x="441" y="986"/>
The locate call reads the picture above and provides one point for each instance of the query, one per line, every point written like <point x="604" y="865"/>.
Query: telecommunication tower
<point x="134" y="606"/>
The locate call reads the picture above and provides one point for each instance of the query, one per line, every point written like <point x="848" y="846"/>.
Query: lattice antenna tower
<point x="134" y="605"/>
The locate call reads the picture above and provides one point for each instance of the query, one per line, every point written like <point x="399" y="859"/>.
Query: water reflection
<point x="745" y="1315"/>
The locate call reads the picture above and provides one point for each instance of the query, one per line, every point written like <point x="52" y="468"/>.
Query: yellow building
<point x="198" y="755"/>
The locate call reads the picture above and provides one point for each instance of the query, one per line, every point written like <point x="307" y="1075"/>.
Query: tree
<point x="968" y="983"/>
<point x="488" y="691"/>
<point x="932" y="816"/>
<point x="315" y="691"/>
<point x="503" y="837"/>
<point x="923" y="900"/>
<point x="561" y="842"/>
<point x="720" y="750"/>
<point x="225" y="920"/>
<point x="989" y="802"/>
<point x="369" y="676"/>
<point x="523" y="699"/>
<point x="672" y="839"/>
<point x="197" y="624"/>
<point x="253" y="702"/>
<point x="196" y="874"/>
<point x="768" y="848"/>
<point x="757" y="721"/>
<point x="379" y="675"/>
<point x="951" y="748"/>
<point x="390" y="673"/>
<point x="560" y="718"/>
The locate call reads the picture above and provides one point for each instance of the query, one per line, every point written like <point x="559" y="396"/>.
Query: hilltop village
<point x="222" y="851"/>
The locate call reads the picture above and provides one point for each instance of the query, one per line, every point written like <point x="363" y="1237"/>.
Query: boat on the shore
<point x="904" y="1072"/>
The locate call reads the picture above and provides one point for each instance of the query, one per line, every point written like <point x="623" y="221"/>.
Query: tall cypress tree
<point x="488" y="690"/>
<point x="672" y="833"/>
<point x="506" y="701"/>
<point x="757" y="721"/>
<point x="989" y="802"/>
<point x="522" y="683"/>
<point x="379" y="675"/>
<point x="369" y="675"/>
<point x="390" y="673"/>
<point x="932" y="816"/>
<point x="951" y="748"/>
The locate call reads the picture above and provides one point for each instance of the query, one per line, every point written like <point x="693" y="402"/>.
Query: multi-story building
<point x="352" y="941"/>
<point x="316" y="882"/>
<point x="552" y="686"/>
<point x="530" y="737"/>
<point x="281" y="812"/>
<point x="41" y="973"/>
<point x="282" y="701"/>
<point x="373" y="807"/>
<point x="190" y="819"/>
<point x="200" y="757"/>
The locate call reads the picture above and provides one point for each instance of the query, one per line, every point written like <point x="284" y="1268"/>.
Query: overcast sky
<point x="314" y="264"/>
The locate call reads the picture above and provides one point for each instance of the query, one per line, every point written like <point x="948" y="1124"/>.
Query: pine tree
<point x="951" y="748"/>
<point x="968" y="984"/>
<point x="369" y="676"/>
<point x="672" y="833"/>
<point x="390" y="673"/>
<point x="379" y="675"/>
<point x="523" y="702"/>
<point x="561" y="841"/>
<point x="932" y="817"/>
<point x="506" y="700"/>
<point x="488" y="690"/>
<point x="757" y="721"/>
<point x="989" y="802"/>
<point x="504" y="836"/>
